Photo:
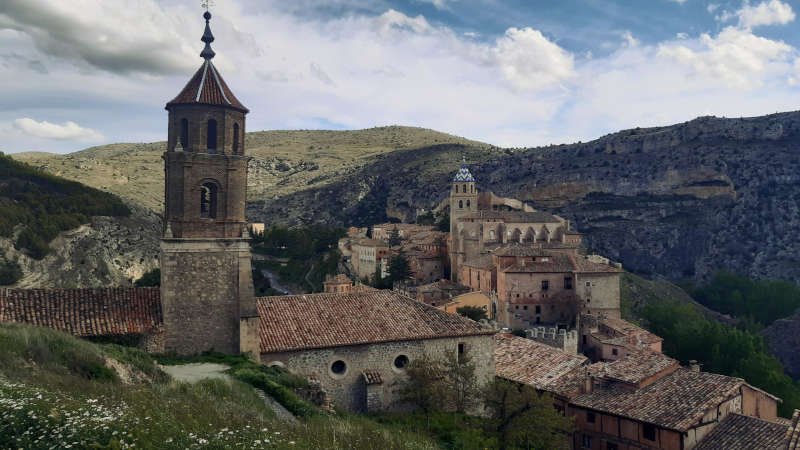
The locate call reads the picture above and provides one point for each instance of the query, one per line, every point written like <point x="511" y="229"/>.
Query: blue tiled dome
<point x="463" y="175"/>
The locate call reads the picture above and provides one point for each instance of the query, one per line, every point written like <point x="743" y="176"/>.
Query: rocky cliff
<point x="107" y="251"/>
<point x="783" y="339"/>
<point x="681" y="201"/>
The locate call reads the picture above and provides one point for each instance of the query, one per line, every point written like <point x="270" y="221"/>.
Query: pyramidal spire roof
<point x="207" y="87"/>
<point x="463" y="174"/>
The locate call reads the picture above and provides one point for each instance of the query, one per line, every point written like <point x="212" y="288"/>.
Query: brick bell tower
<point x="206" y="283"/>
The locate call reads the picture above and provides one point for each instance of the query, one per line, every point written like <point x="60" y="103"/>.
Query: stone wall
<point x="349" y="391"/>
<point x="554" y="337"/>
<point x="600" y="293"/>
<point x="206" y="290"/>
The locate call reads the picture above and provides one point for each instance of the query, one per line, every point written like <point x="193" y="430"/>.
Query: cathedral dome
<point x="463" y="175"/>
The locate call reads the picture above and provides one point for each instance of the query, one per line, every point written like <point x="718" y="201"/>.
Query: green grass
<point x="56" y="391"/>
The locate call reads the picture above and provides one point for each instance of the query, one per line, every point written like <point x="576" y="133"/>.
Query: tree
<point x="149" y="279"/>
<point x="426" y="218"/>
<point x="475" y="313"/>
<point x="10" y="272"/>
<point x="442" y="384"/>
<point x="399" y="268"/>
<point x="525" y="418"/>
<point x="444" y="222"/>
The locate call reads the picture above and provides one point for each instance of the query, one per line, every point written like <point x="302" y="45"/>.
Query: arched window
<point x="464" y="188"/>
<point x="467" y="203"/>
<point x="491" y="234"/>
<point x="208" y="200"/>
<point x="184" y="137"/>
<point x="211" y="136"/>
<point x="461" y="204"/>
<point x="236" y="139"/>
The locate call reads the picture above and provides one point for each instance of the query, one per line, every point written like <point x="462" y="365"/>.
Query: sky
<point x="515" y="73"/>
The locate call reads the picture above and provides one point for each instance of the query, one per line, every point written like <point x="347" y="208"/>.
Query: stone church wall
<point x="350" y="392"/>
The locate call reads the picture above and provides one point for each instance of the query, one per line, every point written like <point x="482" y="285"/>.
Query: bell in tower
<point x="206" y="283"/>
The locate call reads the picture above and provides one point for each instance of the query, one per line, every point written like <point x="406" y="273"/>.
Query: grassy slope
<point x="637" y="292"/>
<point x="57" y="391"/>
<point x="135" y="171"/>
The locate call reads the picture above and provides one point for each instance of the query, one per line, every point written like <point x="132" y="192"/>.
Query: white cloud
<point x="735" y="56"/>
<point x="629" y="40"/>
<point x="368" y="69"/>
<point x="439" y="4"/>
<point x="772" y="12"/>
<point x="68" y="131"/>
<point x="530" y="61"/>
<point x="679" y="1"/>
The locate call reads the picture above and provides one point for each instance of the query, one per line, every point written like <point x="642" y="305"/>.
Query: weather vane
<point x="207" y="4"/>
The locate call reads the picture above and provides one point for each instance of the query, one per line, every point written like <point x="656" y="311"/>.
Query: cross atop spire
<point x="208" y="38"/>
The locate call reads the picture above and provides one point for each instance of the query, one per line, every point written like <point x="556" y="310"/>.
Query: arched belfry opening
<point x="209" y="193"/>
<point x="211" y="136"/>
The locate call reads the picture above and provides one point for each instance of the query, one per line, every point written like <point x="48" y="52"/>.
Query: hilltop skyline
<point x="509" y="73"/>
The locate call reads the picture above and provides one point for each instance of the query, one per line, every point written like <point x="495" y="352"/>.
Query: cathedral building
<point x="530" y="262"/>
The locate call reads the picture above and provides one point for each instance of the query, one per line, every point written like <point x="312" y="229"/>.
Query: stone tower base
<point x="207" y="296"/>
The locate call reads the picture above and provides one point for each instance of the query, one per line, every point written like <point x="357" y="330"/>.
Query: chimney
<point x="694" y="366"/>
<point x="588" y="384"/>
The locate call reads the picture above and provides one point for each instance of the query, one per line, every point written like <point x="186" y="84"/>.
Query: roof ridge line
<point x="202" y="81"/>
<point x="219" y="85"/>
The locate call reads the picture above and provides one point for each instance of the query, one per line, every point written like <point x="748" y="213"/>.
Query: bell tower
<point x="206" y="281"/>
<point x="463" y="201"/>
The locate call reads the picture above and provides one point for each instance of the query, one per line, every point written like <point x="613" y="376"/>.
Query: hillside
<point x="283" y="161"/>
<point x="681" y="201"/>
<point x="59" y="233"/>
<point x="60" y="392"/>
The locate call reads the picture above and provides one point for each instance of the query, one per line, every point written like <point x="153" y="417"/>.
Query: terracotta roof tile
<point x="85" y="312"/>
<point x="636" y="367"/>
<point x="793" y="432"/>
<point x="738" y="432"/>
<point x="676" y="401"/>
<point x="534" y="364"/>
<point x="207" y="87"/>
<point x="297" y="322"/>
<point x="554" y="263"/>
<point x="516" y="249"/>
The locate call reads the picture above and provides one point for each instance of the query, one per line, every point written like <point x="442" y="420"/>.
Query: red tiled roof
<point x="637" y="366"/>
<point x="738" y="432"/>
<point x="793" y="432"/>
<point x="532" y="363"/>
<point x="207" y="87"/>
<point x="555" y="263"/>
<point x="299" y="322"/>
<point x="583" y="265"/>
<point x="84" y="312"/>
<point x="676" y="401"/>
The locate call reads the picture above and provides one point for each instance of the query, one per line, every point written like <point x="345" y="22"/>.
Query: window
<point x="586" y="441"/>
<point x="461" y="204"/>
<point x="211" y="136"/>
<point x="236" y="139"/>
<point x="468" y="203"/>
<point x="614" y="351"/>
<point x="184" y="137"/>
<point x="462" y="350"/>
<point x="590" y="418"/>
<point x="649" y="432"/>
<point x="491" y="234"/>
<point x="545" y="285"/>
<point x="525" y="307"/>
<point x="538" y="309"/>
<point x="401" y="361"/>
<point x="338" y="367"/>
<point x="464" y="188"/>
<point x="567" y="282"/>
<point x="208" y="200"/>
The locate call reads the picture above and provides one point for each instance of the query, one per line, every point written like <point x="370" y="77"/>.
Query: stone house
<point x="609" y="338"/>
<point x="367" y="255"/>
<point x="359" y="345"/>
<point x="643" y="401"/>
